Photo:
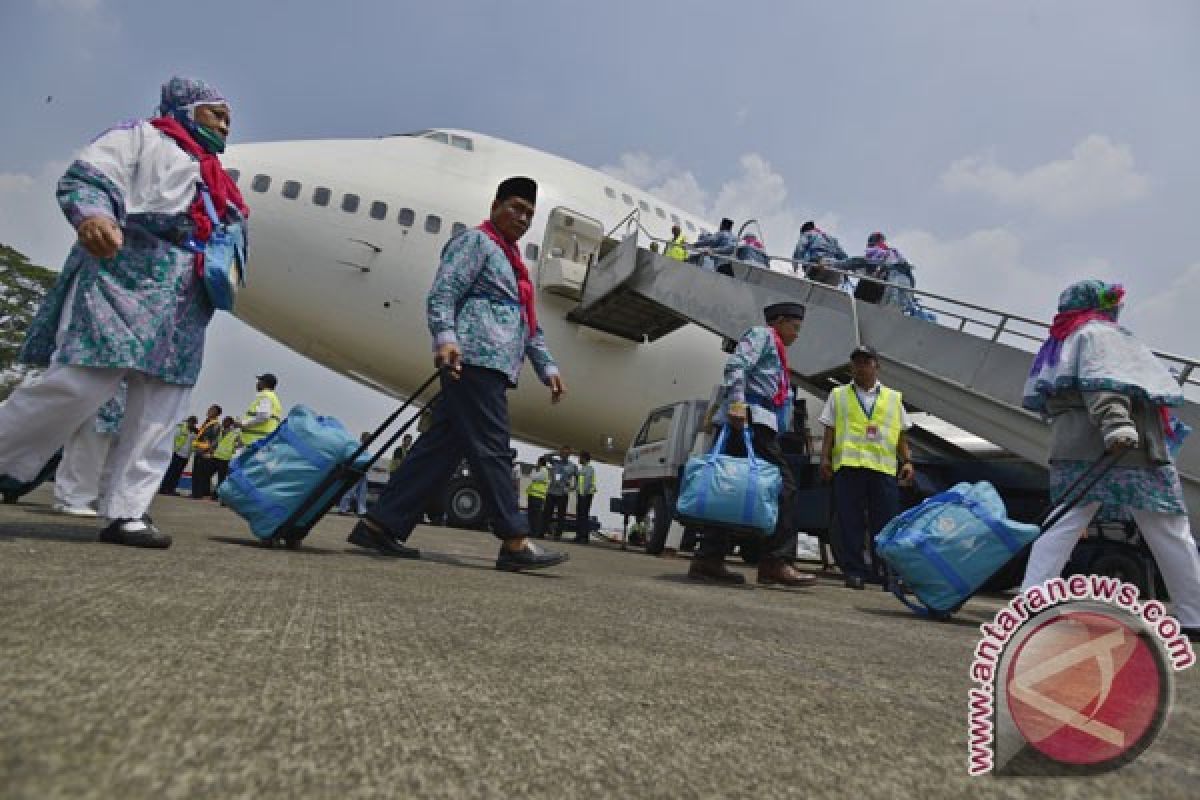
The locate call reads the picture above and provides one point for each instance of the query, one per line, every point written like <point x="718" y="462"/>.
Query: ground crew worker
<point x="231" y="440"/>
<point x="207" y="439"/>
<point x="677" y="249"/>
<point x="181" y="451"/>
<point x="535" y="497"/>
<point x="759" y="394"/>
<point x="584" y="494"/>
<point x="864" y="446"/>
<point x="563" y="476"/>
<point x="265" y="412"/>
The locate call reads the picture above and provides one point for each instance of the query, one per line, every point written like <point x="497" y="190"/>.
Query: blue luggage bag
<point x="737" y="493"/>
<point x="284" y="483"/>
<point x="951" y="544"/>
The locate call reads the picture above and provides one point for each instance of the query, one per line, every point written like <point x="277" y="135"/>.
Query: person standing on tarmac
<point x="483" y="319"/>
<point x="864" y="445"/>
<point x="584" y="494"/>
<point x="563" y="475"/>
<point x="129" y="304"/>
<point x="535" y="498"/>
<point x="206" y="441"/>
<point x="227" y="446"/>
<point x="81" y="477"/>
<point x="759" y="394"/>
<point x="181" y="451"/>
<point x="265" y="412"/>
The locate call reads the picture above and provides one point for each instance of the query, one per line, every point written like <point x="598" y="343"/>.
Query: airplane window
<point x="661" y="214"/>
<point x="261" y="183"/>
<point x="321" y="196"/>
<point x="378" y="210"/>
<point x="462" y="143"/>
<point x="628" y="200"/>
<point x="407" y="217"/>
<point x="439" y="136"/>
<point x="349" y="203"/>
<point x="690" y="226"/>
<point x="433" y="224"/>
<point x="531" y="251"/>
<point x="645" y="206"/>
<point x="291" y="190"/>
<point x="234" y="174"/>
<point x="610" y="192"/>
<point x="675" y="219"/>
<point x="457" y="228"/>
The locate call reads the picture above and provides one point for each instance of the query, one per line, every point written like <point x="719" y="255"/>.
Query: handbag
<point x="730" y="492"/>
<point x="224" y="258"/>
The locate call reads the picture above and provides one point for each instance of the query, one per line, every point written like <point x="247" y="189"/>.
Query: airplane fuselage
<point x="346" y="237"/>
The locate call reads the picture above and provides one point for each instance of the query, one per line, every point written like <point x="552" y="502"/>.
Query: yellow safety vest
<point x="862" y="441"/>
<point x="181" y="436"/>
<point x="538" y="485"/>
<point x="676" y="249"/>
<point x="227" y="445"/>
<point x="252" y="433"/>
<point x="587" y="480"/>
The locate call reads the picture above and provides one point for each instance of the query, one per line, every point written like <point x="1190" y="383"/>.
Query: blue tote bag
<point x="271" y="478"/>
<point x="730" y="492"/>
<point x="224" y="258"/>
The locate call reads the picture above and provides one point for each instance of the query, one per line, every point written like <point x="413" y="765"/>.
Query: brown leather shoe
<point x="714" y="571"/>
<point x="776" y="571"/>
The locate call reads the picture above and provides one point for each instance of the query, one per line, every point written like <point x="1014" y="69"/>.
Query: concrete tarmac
<point x="219" y="669"/>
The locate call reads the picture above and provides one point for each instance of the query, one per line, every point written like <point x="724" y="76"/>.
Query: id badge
<point x="873" y="434"/>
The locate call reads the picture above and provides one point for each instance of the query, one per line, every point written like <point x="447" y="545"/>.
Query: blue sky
<point x="1006" y="147"/>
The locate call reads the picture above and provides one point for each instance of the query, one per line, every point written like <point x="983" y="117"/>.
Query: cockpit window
<point x="462" y="143"/>
<point x="439" y="136"/>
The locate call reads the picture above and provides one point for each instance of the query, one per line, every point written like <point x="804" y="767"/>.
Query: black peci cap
<point x="519" y="186"/>
<point x="776" y="310"/>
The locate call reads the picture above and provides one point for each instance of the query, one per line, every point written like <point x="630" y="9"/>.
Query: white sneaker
<point x="75" y="511"/>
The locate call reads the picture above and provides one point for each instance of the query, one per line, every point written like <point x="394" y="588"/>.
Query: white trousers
<point x="1168" y="535"/>
<point x="81" y="477"/>
<point x="42" y="414"/>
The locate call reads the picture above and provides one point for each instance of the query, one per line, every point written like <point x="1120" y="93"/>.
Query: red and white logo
<point x="1086" y="688"/>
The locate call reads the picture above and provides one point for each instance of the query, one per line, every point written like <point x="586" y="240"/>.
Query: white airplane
<point x="346" y="237"/>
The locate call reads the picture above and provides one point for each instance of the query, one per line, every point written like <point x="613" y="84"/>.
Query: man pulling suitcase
<point x="483" y="320"/>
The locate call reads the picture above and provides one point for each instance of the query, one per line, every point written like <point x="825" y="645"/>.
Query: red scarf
<point x="221" y="187"/>
<point x="781" y="394"/>
<point x="524" y="285"/>
<point x="1067" y="322"/>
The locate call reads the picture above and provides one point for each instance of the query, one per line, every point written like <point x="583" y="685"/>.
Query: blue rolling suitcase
<point x="947" y="547"/>
<point x="284" y="483"/>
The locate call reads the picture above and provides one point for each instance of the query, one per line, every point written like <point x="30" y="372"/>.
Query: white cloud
<point x="1167" y="320"/>
<point x="30" y="219"/>
<point x="1099" y="175"/>
<point x="756" y="191"/>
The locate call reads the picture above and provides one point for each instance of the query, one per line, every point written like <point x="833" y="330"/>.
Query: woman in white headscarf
<point x="130" y="304"/>
<point x="1104" y="391"/>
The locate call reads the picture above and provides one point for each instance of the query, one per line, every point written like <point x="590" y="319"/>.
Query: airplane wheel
<point x="465" y="507"/>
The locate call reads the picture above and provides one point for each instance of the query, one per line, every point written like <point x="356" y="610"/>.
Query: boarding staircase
<point x="968" y="368"/>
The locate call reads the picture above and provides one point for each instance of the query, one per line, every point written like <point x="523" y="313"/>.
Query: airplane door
<point x="571" y="245"/>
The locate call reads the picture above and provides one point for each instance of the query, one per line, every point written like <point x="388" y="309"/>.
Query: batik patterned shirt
<point x="753" y="374"/>
<point x="473" y="303"/>
<point x="145" y="308"/>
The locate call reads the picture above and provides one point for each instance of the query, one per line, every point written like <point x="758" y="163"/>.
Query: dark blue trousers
<point x="469" y="421"/>
<point x="866" y="499"/>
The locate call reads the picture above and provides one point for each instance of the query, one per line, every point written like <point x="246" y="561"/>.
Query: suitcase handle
<point x="1081" y="486"/>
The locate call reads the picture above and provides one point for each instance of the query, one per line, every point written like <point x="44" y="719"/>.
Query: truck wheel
<point x="465" y="507"/>
<point x="11" y="497"/>
<point x="657" y="520"/>
<point x="1123" y="565"/>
